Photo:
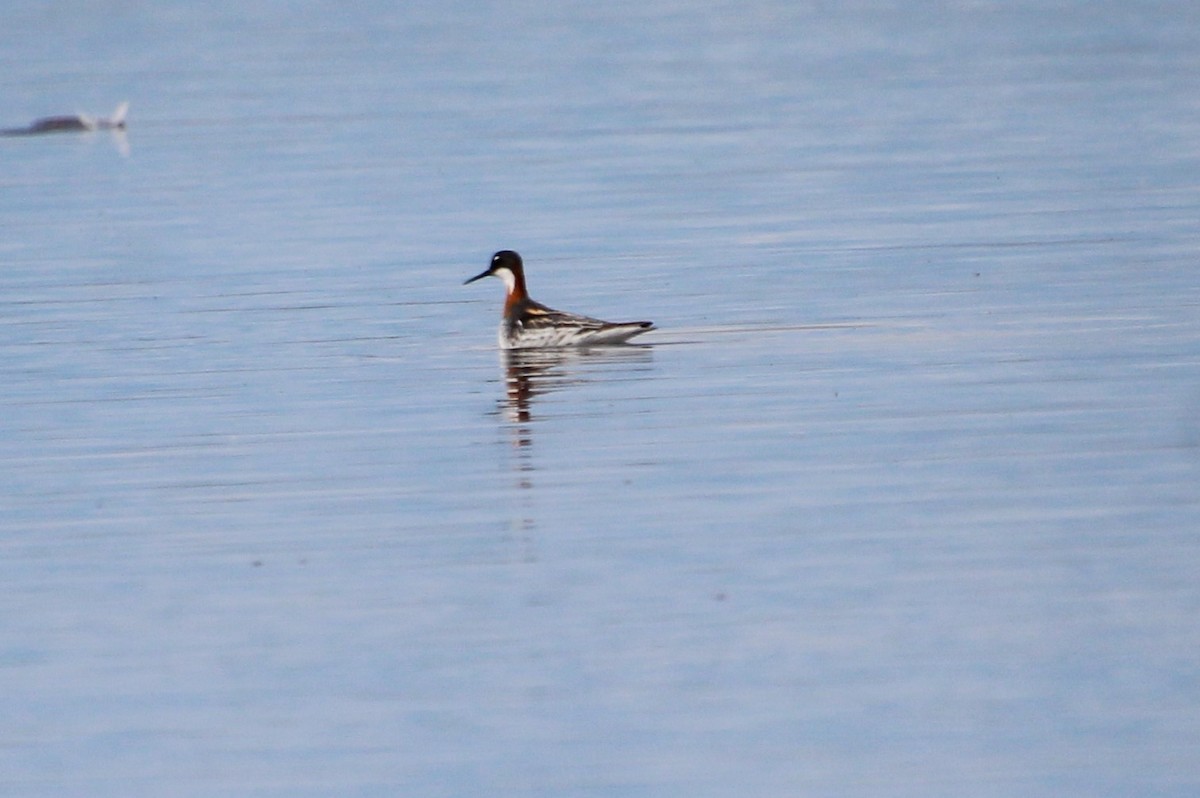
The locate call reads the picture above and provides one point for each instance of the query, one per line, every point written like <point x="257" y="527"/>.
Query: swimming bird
<point x="76" y="123"/>
<point x="527" y="324"/>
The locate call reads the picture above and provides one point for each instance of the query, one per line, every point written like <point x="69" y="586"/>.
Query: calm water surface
<point x="900" y="500"/>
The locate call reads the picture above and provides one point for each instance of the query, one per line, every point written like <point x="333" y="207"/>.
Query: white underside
<point x="566" y="336"/>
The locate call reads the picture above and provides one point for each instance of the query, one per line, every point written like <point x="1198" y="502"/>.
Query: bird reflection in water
<point x="531" y="374"/>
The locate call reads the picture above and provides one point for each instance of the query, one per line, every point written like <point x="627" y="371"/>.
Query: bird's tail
<point x="118" y="116"/>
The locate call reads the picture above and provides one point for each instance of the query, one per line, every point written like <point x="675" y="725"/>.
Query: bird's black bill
<point x="487" y="273"/>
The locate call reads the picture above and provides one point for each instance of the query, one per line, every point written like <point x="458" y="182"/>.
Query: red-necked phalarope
<point x="78" y="122"/>
<point x="527" y="324"/>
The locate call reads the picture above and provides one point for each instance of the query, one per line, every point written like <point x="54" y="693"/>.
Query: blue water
<point x="901" y="499"/>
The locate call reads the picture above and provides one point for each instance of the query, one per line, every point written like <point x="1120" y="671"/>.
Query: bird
<point x="78" y="122"/>
<point x="527" y="324"/>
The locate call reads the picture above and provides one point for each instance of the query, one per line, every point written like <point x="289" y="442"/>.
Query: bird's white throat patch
<point x="505" y="274"/>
